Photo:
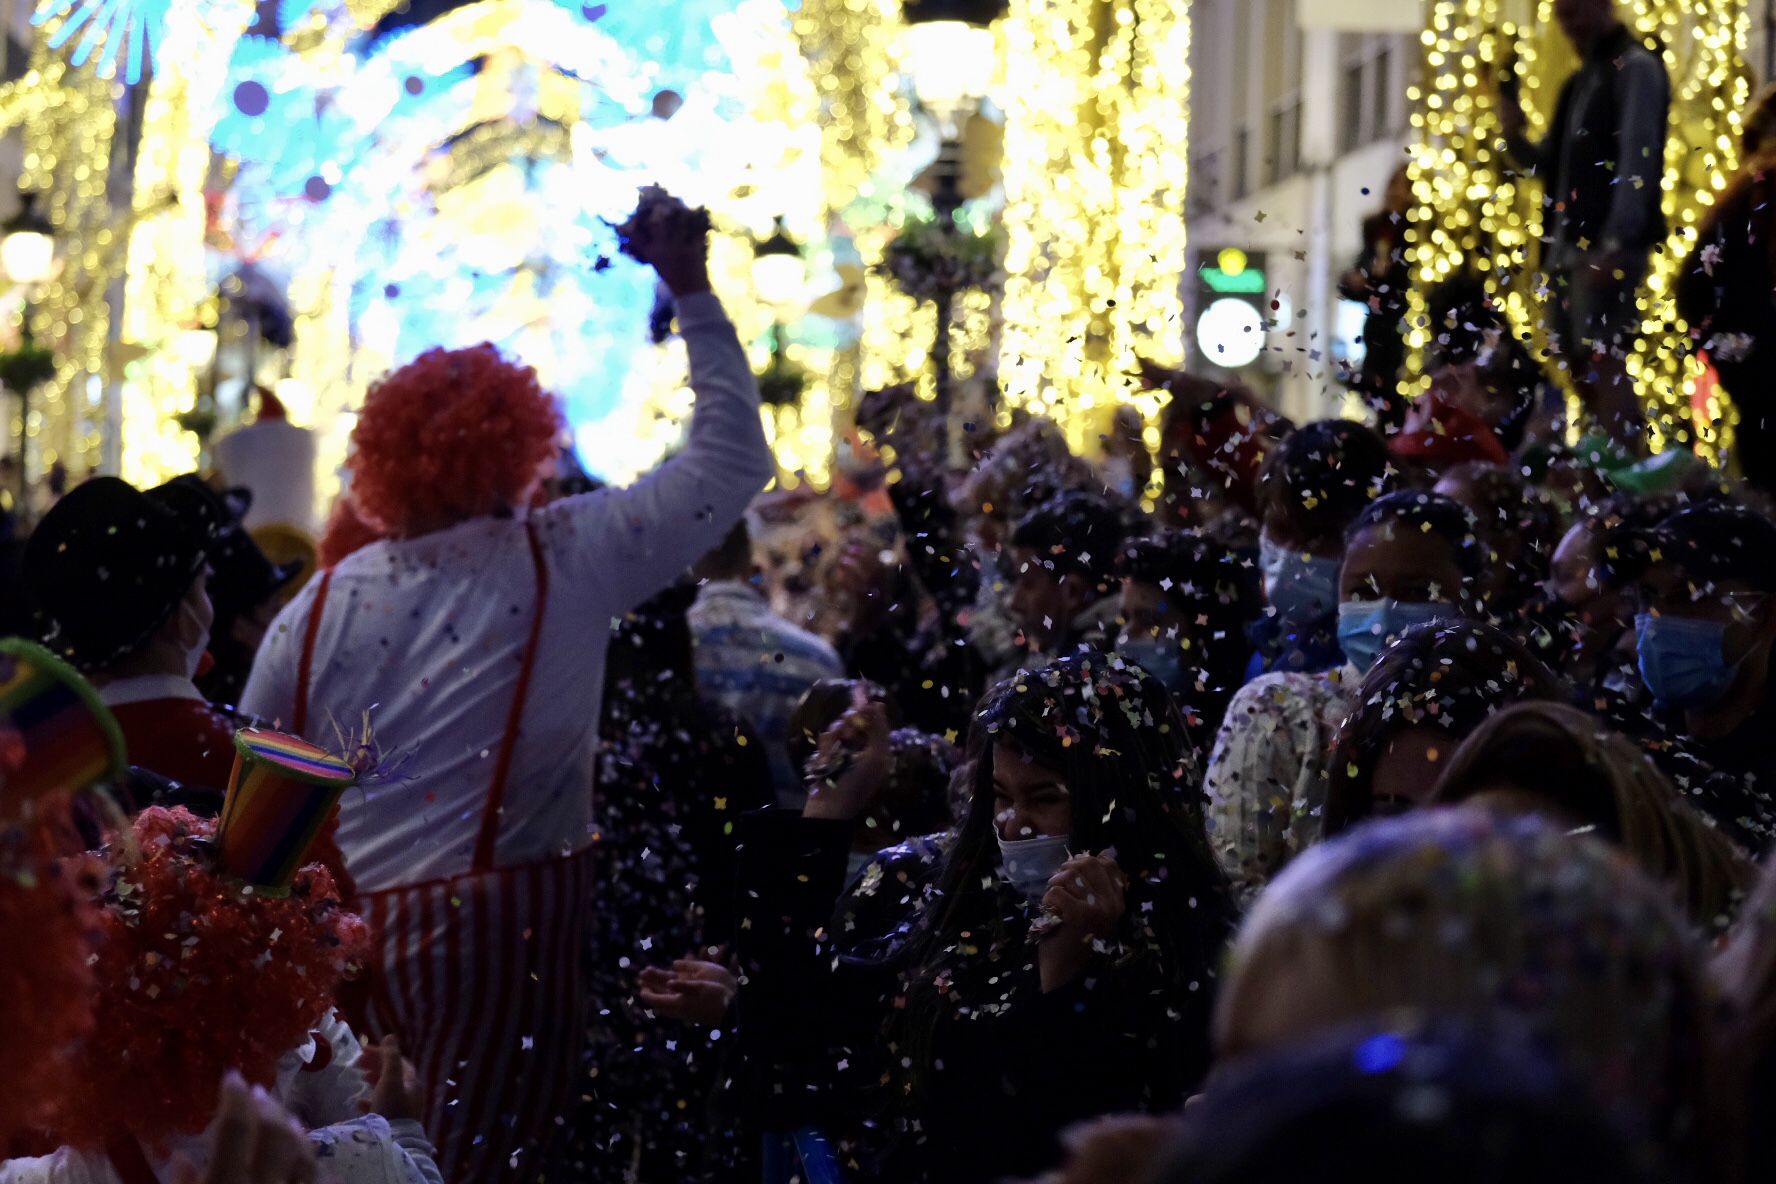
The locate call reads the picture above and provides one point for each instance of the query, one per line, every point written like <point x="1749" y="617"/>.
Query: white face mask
<point x="194" y="634"/>
<point x="1028" y="863"/>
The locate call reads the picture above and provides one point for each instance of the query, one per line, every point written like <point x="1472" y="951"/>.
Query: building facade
<point x="1298" y="117"/>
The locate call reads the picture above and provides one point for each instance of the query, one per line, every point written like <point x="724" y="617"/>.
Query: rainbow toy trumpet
<point x="279" y="795"/>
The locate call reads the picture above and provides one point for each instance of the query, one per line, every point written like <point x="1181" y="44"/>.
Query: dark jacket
<point x="1384" y="281"/>
<point x="1604" y="156"/>
<point x="1726" y="293"/>
<point x="1008" y="1067"/>
<point x="1731" y="778"/>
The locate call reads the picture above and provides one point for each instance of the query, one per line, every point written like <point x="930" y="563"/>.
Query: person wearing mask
<point x="473" y="633"/>
<point x="1409" y="558"/>
<point x="1582" y="623"/>
<point x="1380" y="280"/>
<point x="1705" y="625"/>
<point x="1601" y="166"/>
<point x="1063" y="970"/>
<point x="1455" y="914"/>
<point x="1312" y="487"/>
<point x="1424" y="696"/>
<point x="120" y="583"/>
<point x="1559" y="763"/>
<point x="1724" y="291"/>
<point x="1062" y="590"/>
<point x="245" y="587"/>
<point x="751" y="660"/>
<point x="1187" y="603"/>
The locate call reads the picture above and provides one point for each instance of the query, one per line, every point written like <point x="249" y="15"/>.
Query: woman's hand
<point x="692" y="992"/>
<point x="394" y="1082"/>
<point x="857" y="747"/>
<point x="1088" y="894"/>
<point x="254" y="1141"/>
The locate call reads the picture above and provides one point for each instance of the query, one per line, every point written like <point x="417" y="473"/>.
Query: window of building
<point x="1242" y="163"/>
<point x="1351" y="93"/>
<point x="1369" y="98"/>
<point x="1282" y="146"/>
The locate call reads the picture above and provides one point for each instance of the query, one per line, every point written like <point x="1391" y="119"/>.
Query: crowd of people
<point x="1304" y="799"/>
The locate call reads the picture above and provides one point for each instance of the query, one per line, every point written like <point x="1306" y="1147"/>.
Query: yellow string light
<point x="167" y="288"/>
<point x="851" y="47"/>
<point x="1472" y="214"/>
<point x="1097" y="104"/>
<point x="69" y="118"/>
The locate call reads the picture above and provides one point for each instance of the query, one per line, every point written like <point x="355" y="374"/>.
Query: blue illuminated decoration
<point x="458" y="175"/>
<point x="126" y="30"/>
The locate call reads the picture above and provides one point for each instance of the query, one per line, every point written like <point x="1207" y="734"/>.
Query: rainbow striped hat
<point x="55" y="734"/>
<point x="281" y="792"/>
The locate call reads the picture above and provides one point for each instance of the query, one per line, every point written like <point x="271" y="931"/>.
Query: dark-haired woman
<point x="1423" y="697"/>
<point x="1063" y="969"/>
<point x="1410" y="557"/>
<point x="1313" y="486"/>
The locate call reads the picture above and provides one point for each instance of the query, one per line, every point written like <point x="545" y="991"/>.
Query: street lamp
<point x="950" y="53"/>
<point x="28" y="257"/>
<point x="778" y="276"/>
<point x="27" y="244"/>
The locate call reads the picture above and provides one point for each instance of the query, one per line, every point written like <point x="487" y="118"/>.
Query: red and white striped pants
<point x="480" y="979"/>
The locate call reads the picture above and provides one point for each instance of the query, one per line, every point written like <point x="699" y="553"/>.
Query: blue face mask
<point x="1682" y="661"/>
<point x="1158" y="656"/>
<point x="1366" y="626"/>
<point x="1028" y="863"/>
<point x="1300" y="587"/>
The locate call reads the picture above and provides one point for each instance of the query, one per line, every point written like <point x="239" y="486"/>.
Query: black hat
<point x="105" y="568"/>
<point x="1073" y="533"/>
<point x="241" y="577"/>
<point x="1708" y="542"/>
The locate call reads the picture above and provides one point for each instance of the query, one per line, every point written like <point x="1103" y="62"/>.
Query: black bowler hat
<point x="105" y="568"/>
<point x="241" y="577"/>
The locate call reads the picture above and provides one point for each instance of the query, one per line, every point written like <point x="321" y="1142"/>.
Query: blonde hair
<point x="1457" y="913"/>
<point x="1560" y="754"/>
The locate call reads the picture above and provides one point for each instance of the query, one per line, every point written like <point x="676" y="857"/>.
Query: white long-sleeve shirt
<point x="427" y="634"/>
<point x="351" y="1148"/>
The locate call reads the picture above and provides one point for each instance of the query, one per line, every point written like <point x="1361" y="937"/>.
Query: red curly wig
<point x="196" y="977"/>
<point x="452" y="435"/>
<point x="48" y="931"/>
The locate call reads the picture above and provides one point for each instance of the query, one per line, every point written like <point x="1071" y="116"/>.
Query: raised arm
<point x="636" y="540"/>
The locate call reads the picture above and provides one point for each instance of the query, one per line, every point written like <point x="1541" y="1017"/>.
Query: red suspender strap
<point x="496" y="794"/>
<point x="305" y="664"/>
